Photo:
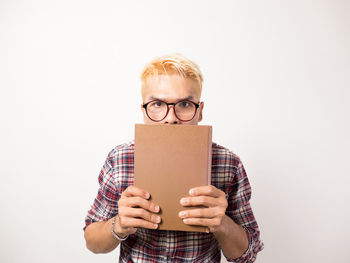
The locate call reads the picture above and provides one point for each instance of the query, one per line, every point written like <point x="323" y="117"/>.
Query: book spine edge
<point x="209" y="155"/>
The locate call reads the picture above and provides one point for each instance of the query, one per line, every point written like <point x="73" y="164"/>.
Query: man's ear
<point x="201" y="106"/>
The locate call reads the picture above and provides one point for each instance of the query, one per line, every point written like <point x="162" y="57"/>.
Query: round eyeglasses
<point x="157" y="110"/>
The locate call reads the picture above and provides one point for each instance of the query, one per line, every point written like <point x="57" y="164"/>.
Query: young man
<point x="122" y="213"/>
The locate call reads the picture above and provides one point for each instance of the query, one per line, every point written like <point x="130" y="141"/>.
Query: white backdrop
<point x="276" y="90"/>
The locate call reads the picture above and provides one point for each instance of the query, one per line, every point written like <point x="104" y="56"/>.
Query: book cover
<point x="169" y="161"/>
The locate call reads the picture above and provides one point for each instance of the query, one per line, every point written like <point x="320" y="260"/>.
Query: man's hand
<point x="213" y="207"/>
<point x="135" y="210"/>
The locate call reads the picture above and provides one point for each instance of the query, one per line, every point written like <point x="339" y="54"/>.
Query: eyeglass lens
<point x="184" y="110"/>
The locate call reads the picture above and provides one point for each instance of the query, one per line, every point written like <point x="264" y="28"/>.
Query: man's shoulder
<point x="124" y="147"/>
<point x="122" y="153"/>
<point x="222" y="154"/>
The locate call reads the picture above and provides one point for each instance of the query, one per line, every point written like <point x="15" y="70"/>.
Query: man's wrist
<point x="116" y="234"/>
<point x="219" y="229"/>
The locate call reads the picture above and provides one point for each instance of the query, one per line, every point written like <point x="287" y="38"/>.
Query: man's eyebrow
<point x="186" y="98"/>
<point x="153" y="98"/>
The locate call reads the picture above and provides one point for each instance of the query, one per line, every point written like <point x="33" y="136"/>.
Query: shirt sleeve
<point x="240" y="211"/>
<point x="105" y="205"/>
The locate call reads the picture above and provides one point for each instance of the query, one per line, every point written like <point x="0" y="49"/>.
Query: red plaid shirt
<point x="146" y="245"/>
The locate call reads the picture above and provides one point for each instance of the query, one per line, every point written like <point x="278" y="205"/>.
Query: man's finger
<point x="202" y="213"/>
<point x="126" y="222"/>
<point x="135" y="191"/>
<point x="141" y="213"/>
<point x="208" y="190"/>
<point x="199" y="200"/>
<point x="139" y="202"/>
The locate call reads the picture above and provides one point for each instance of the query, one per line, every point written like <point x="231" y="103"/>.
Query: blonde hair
<point x="173" y="64"/>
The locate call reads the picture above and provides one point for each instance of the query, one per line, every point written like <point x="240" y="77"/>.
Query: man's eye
<point x="184" y="104"/>
<point x="157" y="104"/>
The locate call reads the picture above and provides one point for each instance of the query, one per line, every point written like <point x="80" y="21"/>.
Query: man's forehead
<point x="164" y="80"/>
<point x="166" y="98"/>
<point x="169" y="88"/>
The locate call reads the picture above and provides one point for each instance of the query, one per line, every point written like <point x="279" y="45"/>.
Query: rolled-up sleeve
<point x="240" y="211"/>
<point x="105" y="204"/>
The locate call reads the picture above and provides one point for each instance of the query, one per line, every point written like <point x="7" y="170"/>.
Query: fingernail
<point x="185" y="221"/>
<point x="158" y="219"/>
<point x="192" y="192"/>
<point x="147" y="195"/>
<point x="155" y="226"/>
<point x="156" y="208"/>
<point x="184" y="201"/>
<point x="182" y="214"/>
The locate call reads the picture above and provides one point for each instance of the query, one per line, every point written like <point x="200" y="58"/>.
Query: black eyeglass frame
<point x="173" y="104"/>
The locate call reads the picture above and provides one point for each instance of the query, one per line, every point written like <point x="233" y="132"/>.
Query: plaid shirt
<point x="146" y="245"/>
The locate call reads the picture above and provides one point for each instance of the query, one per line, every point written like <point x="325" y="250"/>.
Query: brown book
<point x="169" y="161"/>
